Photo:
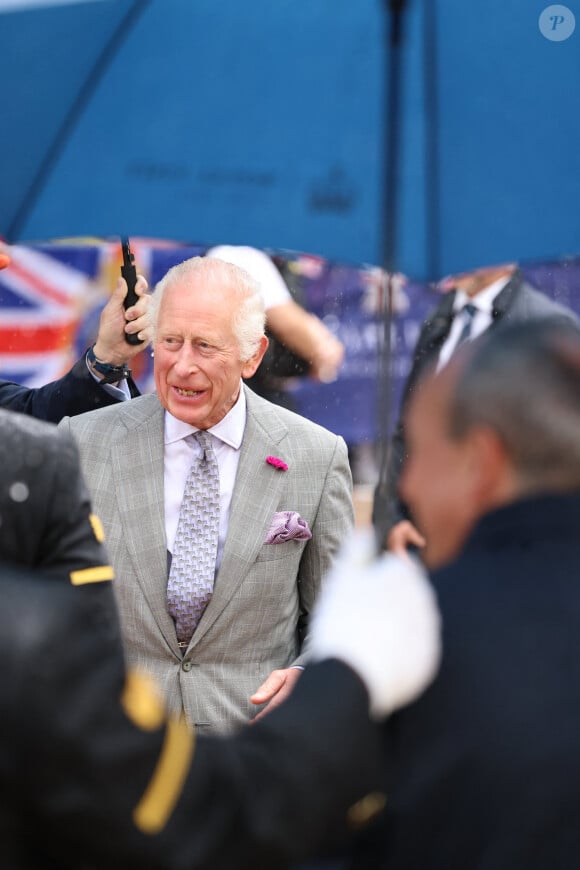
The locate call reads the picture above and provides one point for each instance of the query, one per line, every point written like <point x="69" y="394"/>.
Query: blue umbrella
<point x="496" y="105"/>
<point x="252" y="123"/>
<point x="265" y="123"/>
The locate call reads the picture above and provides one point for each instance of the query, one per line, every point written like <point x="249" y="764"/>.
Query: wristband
<point x="110" y="373"/>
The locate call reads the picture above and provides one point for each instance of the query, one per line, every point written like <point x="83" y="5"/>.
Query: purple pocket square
<point x="287" y="526"/>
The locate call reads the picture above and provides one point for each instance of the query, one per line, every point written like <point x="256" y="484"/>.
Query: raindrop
<point x="19" y="492"/>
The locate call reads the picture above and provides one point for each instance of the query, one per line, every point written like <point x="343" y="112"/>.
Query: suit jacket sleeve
<point x="284" y="788"/>
<point x="388" y="507"/>
<point x="333" y="525"/>
<point x="74" y="393"/>
<point x="84" y="752"/>
<point x="73" y="540"/>
<point x="49" y="525"/>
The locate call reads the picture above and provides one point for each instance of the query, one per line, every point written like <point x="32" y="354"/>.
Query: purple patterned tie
<point x="191" y="577"/>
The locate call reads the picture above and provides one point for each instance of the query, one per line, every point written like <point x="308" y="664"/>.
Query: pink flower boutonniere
<point x="277" y="463"/>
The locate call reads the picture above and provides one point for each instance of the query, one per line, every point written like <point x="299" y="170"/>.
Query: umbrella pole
<point x="394" y="15"/>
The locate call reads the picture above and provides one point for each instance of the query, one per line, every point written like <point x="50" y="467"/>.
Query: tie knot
<point x="469" y="310"/>
<point x="204" y="440"/>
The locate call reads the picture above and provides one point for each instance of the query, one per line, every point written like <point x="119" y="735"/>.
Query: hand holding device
<point x="129" y="273"/>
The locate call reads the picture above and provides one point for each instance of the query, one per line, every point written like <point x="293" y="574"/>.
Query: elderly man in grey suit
<point x="222" y="512"/>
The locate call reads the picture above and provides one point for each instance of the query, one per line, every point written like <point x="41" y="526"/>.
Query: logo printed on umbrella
<point x="557" y="23"/>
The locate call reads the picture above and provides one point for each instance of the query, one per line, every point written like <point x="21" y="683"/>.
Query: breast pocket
<point x="276" y="552"/>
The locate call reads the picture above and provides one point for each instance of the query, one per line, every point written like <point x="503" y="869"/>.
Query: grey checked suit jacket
<point x="250" y="626"/>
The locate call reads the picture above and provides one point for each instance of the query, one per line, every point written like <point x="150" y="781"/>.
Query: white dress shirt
<point x="483" y="301"/>
<point x="179" y="452"/>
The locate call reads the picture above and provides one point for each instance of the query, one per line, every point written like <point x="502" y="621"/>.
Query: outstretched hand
<point x="275" y="689"/>
<point x="403" y="535"/>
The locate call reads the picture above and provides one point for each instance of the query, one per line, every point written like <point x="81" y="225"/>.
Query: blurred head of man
<point x="472" y="283"/>
<point x="208" y="319"/>
<point x="500" y="423"/>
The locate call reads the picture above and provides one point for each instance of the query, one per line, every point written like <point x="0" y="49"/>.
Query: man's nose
<point x="186" y="361"/>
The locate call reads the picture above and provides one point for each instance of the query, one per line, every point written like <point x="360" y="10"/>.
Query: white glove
<point x="379" y="616"/>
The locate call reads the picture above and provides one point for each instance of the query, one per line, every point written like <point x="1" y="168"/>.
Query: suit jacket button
<point x="186" y="666"/>
<point x="366" y="809"/>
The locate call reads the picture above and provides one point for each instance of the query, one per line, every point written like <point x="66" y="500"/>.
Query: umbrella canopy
<point x="248" y="123"/>
<point x="269" y="124"/>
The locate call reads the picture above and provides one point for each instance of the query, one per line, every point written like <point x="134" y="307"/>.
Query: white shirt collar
<point x="483" y="300"/>
<point x="230" y="429"/>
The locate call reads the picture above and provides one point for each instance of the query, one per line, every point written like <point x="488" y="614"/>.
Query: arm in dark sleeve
<point x="89" y="757"/>
<point x="47" y="520"/>
<point x="74" y="393"/>
<point x="290" y="784"/>
<point x="388" y="508"/>
<point x="73" y="540"/>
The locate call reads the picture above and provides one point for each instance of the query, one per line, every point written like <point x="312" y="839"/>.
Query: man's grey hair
<point x="250" y="317"/>
<point x="523" y="381"/>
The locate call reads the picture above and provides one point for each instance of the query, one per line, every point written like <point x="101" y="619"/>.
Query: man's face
<point x="197" y="360"/>
<point x="472" y="283"/>
<point x="436" y="476"/>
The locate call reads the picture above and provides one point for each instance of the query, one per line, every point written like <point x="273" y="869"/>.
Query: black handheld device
<point x="129" y="273"/>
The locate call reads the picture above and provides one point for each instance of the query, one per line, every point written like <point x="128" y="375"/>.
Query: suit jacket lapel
<point x="431" y="338"/>
<point x="506" y="297"/>
<point x="442" y="320"/>
<point x="138" y="462"/>
<point x="255" y="499"/>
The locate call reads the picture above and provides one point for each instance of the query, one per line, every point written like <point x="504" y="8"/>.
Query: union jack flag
<point x="51" y="297"/>
<point x="42" y="302"/>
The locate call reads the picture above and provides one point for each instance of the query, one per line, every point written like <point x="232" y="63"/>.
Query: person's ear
<point x="250" y="366"/>
<point x="490" y="467"/>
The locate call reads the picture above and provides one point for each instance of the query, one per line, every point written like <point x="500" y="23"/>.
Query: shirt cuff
<point x="121" y="393"/>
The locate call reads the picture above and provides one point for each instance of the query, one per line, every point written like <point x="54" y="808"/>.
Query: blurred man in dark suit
<point x="483" y="771"/>
<point x="475" y="302"/>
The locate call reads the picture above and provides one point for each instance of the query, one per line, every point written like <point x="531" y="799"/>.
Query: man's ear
<point x="491" y="470"/>
<point x="250" y="366"/>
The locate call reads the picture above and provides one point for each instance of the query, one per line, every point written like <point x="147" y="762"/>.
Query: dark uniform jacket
<point x="74" y="393"/>
<point x="45" y="513"/>
<point x="484" y="769"/>
<point x="92" y="774"/>
<point x="517" y="301"/>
